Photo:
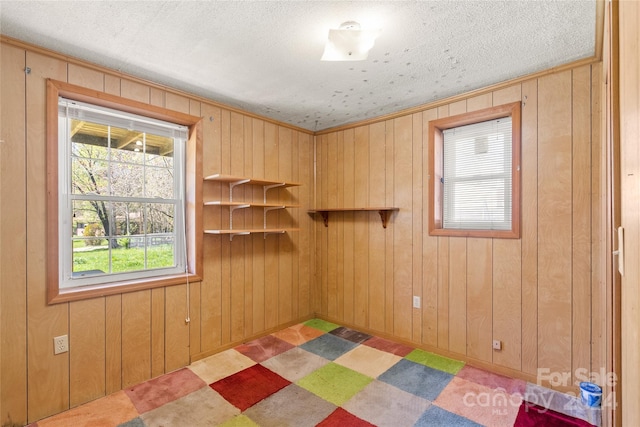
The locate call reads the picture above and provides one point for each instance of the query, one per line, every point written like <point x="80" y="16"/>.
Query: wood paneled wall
<point x="534" y="294"/>
<point x="250" y="285"/>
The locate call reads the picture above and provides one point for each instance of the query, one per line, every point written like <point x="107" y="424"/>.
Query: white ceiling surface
<point x="264" y="56"/>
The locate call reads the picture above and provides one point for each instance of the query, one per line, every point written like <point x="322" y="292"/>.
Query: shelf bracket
<point x="269" y="187"/>
<point x="270" y="208"/>
<point x="384" y="216"/>
<point x="325" y="218"/>
<point x="234" y="184"/>
<point x="241" y="233"/>
<point x="231" y="209"/>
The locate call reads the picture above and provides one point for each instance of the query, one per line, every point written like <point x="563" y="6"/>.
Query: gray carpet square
<point x="295" y="364"/>
<point x="201" y="408"/>
<point x="350" y="335"/>
<point x="384" y="405"/>
<point x="292" y="406"/>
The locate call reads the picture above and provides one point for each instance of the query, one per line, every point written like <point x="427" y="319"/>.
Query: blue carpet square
<point x="328" y="346"/>
<point x="136" y="422"/>
<point x="438" y="417"/>
<point x="417" y="379"/>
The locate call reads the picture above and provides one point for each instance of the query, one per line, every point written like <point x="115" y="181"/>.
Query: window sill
<point x="495" y="234"/>
<point x="86" y="292"/>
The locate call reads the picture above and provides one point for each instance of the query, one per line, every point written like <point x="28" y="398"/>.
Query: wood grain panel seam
<point x="592" y="246"/>
<point x="106" y="335"/>
<point x="121" y="342"/>
<point x="164" y="330"/>
<point x="493" y="292"/>
<point x="572" y="246"/>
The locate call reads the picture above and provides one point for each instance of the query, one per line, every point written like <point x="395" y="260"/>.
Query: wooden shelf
<point x="384" y="213"/>
<point x="244" y="232"/>
<point x="238" y="180"/>
<point x="249" y="204"/>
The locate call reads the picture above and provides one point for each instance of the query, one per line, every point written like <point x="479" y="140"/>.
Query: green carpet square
<point x="239" y="421"/>
<point x="335" y="383"/>
<point x="321" y="324"/>
<point x="434" y="361"/>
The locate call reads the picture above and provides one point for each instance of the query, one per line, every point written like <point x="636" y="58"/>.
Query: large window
<point x="475" y="174"/>
<point x="122" y="199"/>
<point x="121" y="195"/>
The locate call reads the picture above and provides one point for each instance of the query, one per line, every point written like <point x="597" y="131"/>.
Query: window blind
<point x="477" y="176"/>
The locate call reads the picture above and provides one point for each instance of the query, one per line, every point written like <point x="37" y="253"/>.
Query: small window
<point x="123" y="195"/>
<point x="475" y="174"/>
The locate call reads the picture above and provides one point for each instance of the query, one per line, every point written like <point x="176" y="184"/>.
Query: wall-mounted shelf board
<point x="244" y="232"/>
<point x="384" y="213"/>
<point x="238" y="180"/>
<point x="247" y="204"/>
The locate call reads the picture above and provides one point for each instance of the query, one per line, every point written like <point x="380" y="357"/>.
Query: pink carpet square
<point x="167" y="388"/>
<point x="388" y="346"/>
<point x="264" y="348"/>
<point x="491" y="380"/>
<point x="479" y="403"/>
<point x="249" y="386"/>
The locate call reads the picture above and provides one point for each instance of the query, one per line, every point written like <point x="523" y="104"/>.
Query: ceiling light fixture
<point x="349" y="43"/>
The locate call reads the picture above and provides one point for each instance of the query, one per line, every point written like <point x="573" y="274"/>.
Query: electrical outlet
<point x="497" y="345"/>
<point x="416" y="301"/>
<point x="60" y="344"/>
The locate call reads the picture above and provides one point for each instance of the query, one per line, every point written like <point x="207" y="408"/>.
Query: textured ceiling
<point x="264" y="56"/>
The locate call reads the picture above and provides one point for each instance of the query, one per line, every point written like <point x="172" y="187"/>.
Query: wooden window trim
<point x="436" y="128"/>
<point x="193" y="193"/>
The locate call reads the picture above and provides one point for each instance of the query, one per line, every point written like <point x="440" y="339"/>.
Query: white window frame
<point x="437" y="128"/>
<point x="70" y="109"/>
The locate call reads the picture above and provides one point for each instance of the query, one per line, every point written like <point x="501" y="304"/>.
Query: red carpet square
<point x="531" y="415"/>
<point x="248" y="387"/>
<point x="342" y="418"/>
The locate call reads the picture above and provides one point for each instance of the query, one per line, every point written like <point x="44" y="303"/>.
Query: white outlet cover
<point x="416" y="302"/>
<point x="60" y="344"/>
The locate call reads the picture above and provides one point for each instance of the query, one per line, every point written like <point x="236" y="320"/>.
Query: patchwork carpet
<point x="321" y="374"/>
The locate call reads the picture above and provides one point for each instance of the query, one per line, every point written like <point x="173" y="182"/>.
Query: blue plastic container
<point x="591" y="394"/>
